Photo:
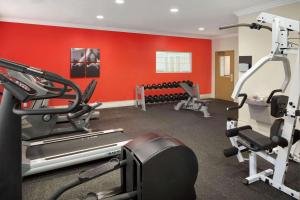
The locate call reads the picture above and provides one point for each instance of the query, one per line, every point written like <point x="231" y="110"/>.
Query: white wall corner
<point x="262" y="7"/>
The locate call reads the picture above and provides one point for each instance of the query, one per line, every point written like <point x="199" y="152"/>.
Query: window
<point x="173" y="62"/>
<point x="225" y="66"/>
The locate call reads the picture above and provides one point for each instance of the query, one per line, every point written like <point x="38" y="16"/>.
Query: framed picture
<point x="85" y="62"/>
<point x="92" y="55"/>
<point x="78" y="70"/>
<point x="93" y="70"/>
<point x="77" y="55"/>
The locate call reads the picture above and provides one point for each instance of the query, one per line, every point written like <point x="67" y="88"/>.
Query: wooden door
<point x="224" y="74"/>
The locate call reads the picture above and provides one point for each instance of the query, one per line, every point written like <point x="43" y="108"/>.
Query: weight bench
<point x="193" y="102"/>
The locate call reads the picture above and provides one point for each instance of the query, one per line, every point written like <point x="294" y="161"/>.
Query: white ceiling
<point x="148" y="16"/>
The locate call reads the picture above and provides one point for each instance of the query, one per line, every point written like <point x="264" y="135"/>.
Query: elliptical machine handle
<point x="244" y="95"/>
<point x="48" y="76"/>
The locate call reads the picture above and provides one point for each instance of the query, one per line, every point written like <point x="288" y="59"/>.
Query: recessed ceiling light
<point x="174" y="10"/>
<point x="201" y="28"/>
<point x="119" y="1"/>
<point x="100" y="17"/>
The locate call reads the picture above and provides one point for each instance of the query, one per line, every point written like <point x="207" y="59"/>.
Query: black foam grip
<point x="235" y="131"/>
<point x="279" y="141"/>
<point x="230" y="152"/>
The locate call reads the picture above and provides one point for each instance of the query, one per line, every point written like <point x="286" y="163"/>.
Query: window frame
<point x="169" y="72"/>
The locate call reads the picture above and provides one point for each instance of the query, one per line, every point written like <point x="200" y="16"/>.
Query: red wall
<point x="127" y="59"/>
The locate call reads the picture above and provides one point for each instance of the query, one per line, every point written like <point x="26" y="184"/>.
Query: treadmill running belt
<point x="54" y="149"/>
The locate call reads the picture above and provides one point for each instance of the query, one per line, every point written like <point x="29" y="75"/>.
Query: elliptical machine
<point x="152" y="166"/>
<point x="36" y="127"/>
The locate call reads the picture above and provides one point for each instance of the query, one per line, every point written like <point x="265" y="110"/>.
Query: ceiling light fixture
<point x="201" y="28"/>
<point x="100" y="17"/>
<point x="174" y="10"/>
<point x="119" y="1"/>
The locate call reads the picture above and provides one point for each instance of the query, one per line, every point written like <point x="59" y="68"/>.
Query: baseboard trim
<point x="116" y="104"/>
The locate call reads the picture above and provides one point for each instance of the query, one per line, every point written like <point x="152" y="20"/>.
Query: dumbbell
<point x="170" y="85"/>
<point x="159" y="86"/>
<point x="167" y="97"/>
<point x="146" y="99"/>
<point x="164" y="85"/>
<point x="186" y="95"/>
<point x="190" y="83"/>
<point x="155" y="99"/>
<point x="154" y="86"/>
<point x="148" y="87"/>
<point x="176" y="96"/>
<point x="174" y="84"/>
<point x="180" y="96"/>
<point x="172" y="97"/>
<point x="161" y="98"/>
<point x="150" y="99"/>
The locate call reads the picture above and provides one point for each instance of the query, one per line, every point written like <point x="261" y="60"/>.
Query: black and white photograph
<point x="93" y="70"/>
<point x="92" y="55"/>
<point x="77" y="55"/>
<point x="78" y="70"/>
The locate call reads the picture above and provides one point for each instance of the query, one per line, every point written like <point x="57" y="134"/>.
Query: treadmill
<point x="55" y="152"/>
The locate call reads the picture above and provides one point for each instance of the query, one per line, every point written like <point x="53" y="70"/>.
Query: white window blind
<point x="173" y="62"/>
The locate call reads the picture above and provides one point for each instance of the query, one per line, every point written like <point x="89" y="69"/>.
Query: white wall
<point x="258" y="44"/>
<point x="224" y="44"/>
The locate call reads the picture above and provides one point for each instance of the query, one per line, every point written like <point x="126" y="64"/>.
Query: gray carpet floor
<point x="218" y="178"/>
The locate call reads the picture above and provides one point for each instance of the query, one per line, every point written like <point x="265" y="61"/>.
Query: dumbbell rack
<point x="140" y="95"/>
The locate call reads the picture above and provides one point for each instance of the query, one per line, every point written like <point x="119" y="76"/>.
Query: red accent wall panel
<point x="127" y="59"/>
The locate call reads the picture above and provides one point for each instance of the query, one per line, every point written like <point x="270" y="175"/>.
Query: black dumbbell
<point x="164" y="85"/>
<point x="150" y="99"/>
<point x="148" y="87"/>
<point x="154" y="86"/>
<point x="161" y="98"/>
<point x="176" y="96"/>
<point x="190" y="83"/>
<point x="171" y="97"/>
<point x="180" y="96"/>
<point x="146" y="99"/>
<point x="174" y="84"/>
<point x="155" y="99"/>
<point x="167" y="97"/>
<point x="169" y="85"/>
<point x="186" y="95"/>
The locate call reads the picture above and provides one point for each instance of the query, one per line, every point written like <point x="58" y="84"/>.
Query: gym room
<point x="149" y="100"/>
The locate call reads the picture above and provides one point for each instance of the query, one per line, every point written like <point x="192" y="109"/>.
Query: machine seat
<point x="257" y="141"/>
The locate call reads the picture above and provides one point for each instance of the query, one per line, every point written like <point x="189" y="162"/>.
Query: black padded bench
<point x="256" y="140"/>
